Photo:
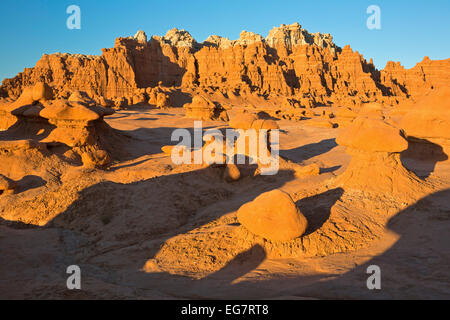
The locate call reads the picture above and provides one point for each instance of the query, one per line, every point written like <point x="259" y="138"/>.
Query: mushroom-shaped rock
<point x="203" y="108"/>
<point x="372" y="135"/>
<point x="247" y="121"/>
<point x="274" y="216"/>
<point x="375" y="166"/>
<point x="75" y="124"/>
<point x="7" y="186"/>
<point x="64" y="110"/>
<point x="243" y="121"/>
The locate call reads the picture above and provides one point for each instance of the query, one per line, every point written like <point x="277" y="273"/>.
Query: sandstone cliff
<point x="289" y="62"/>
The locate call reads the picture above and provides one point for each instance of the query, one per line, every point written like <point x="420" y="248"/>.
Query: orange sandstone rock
<point x="203" y="108"/>
<point x="274" y="216"/>
<point x="429" y="118"/>
<point x="231" y="173"/>
<point x="309" y="170"/>
<point x="290" y="62"/>
<point x="375" y="167"/>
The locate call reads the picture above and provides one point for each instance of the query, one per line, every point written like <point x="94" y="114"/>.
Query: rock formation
<point x="289" y="36"/>
<point x="289" y="62"/>
<point x="76" y="123"/>
<point x="248" y="120"/>
<point x="417" y="81"/>
<point x="428" y="121"/>
<point x="274" y="216"/>
<point x="375" y="167"/>
<point x="309" y="170"/>
<point x="202" y="108"/>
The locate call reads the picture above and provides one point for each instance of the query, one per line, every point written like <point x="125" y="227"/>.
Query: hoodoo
<point x="375" y="167"/>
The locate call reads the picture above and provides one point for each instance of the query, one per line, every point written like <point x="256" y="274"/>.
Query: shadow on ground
<point x="309" y="151"/>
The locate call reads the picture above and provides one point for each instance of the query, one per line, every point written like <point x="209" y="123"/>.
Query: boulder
<point x="274" y="216"/>
<point x="231" y="173"/>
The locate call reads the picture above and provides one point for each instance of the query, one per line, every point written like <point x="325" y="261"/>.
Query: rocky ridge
<point x="289" y="62"/>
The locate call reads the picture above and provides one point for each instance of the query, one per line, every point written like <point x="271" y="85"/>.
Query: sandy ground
<point x="148" y="229"/>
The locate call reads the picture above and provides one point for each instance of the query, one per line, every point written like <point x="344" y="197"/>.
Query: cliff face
<point x="289" y="62"/>
<point x="416" y="81"/>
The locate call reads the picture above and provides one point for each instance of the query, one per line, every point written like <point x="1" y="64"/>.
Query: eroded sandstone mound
<point x="274" y="216"/>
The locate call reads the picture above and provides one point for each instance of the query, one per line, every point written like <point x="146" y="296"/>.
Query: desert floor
<point x="148" y="229"/>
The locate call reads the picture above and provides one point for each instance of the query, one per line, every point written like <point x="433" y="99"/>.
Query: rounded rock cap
<point x="372" y="135"/>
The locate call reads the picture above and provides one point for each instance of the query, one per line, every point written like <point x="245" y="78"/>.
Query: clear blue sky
<point x="410" y="29"/>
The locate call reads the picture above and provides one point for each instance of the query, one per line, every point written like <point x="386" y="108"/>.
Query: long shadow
<point x="148" y="141"/>
<point x="417" y="266"/>
<point x="17" y="224"/>
<point x="330" y="169"/>
<point x="30" y="182"/>
<point x="220" y="285"/>
<point x="317" y="209"/>
<point x="28" y="128"/>
<point x="422" y="156"/>
<point x="163" y="206"/>
<point x="103" y="214"/>
<point x="241" y="264"/>
<point x="309" y="151"/>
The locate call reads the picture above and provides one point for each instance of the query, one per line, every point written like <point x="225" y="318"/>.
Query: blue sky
<point x="410" y="29"/>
